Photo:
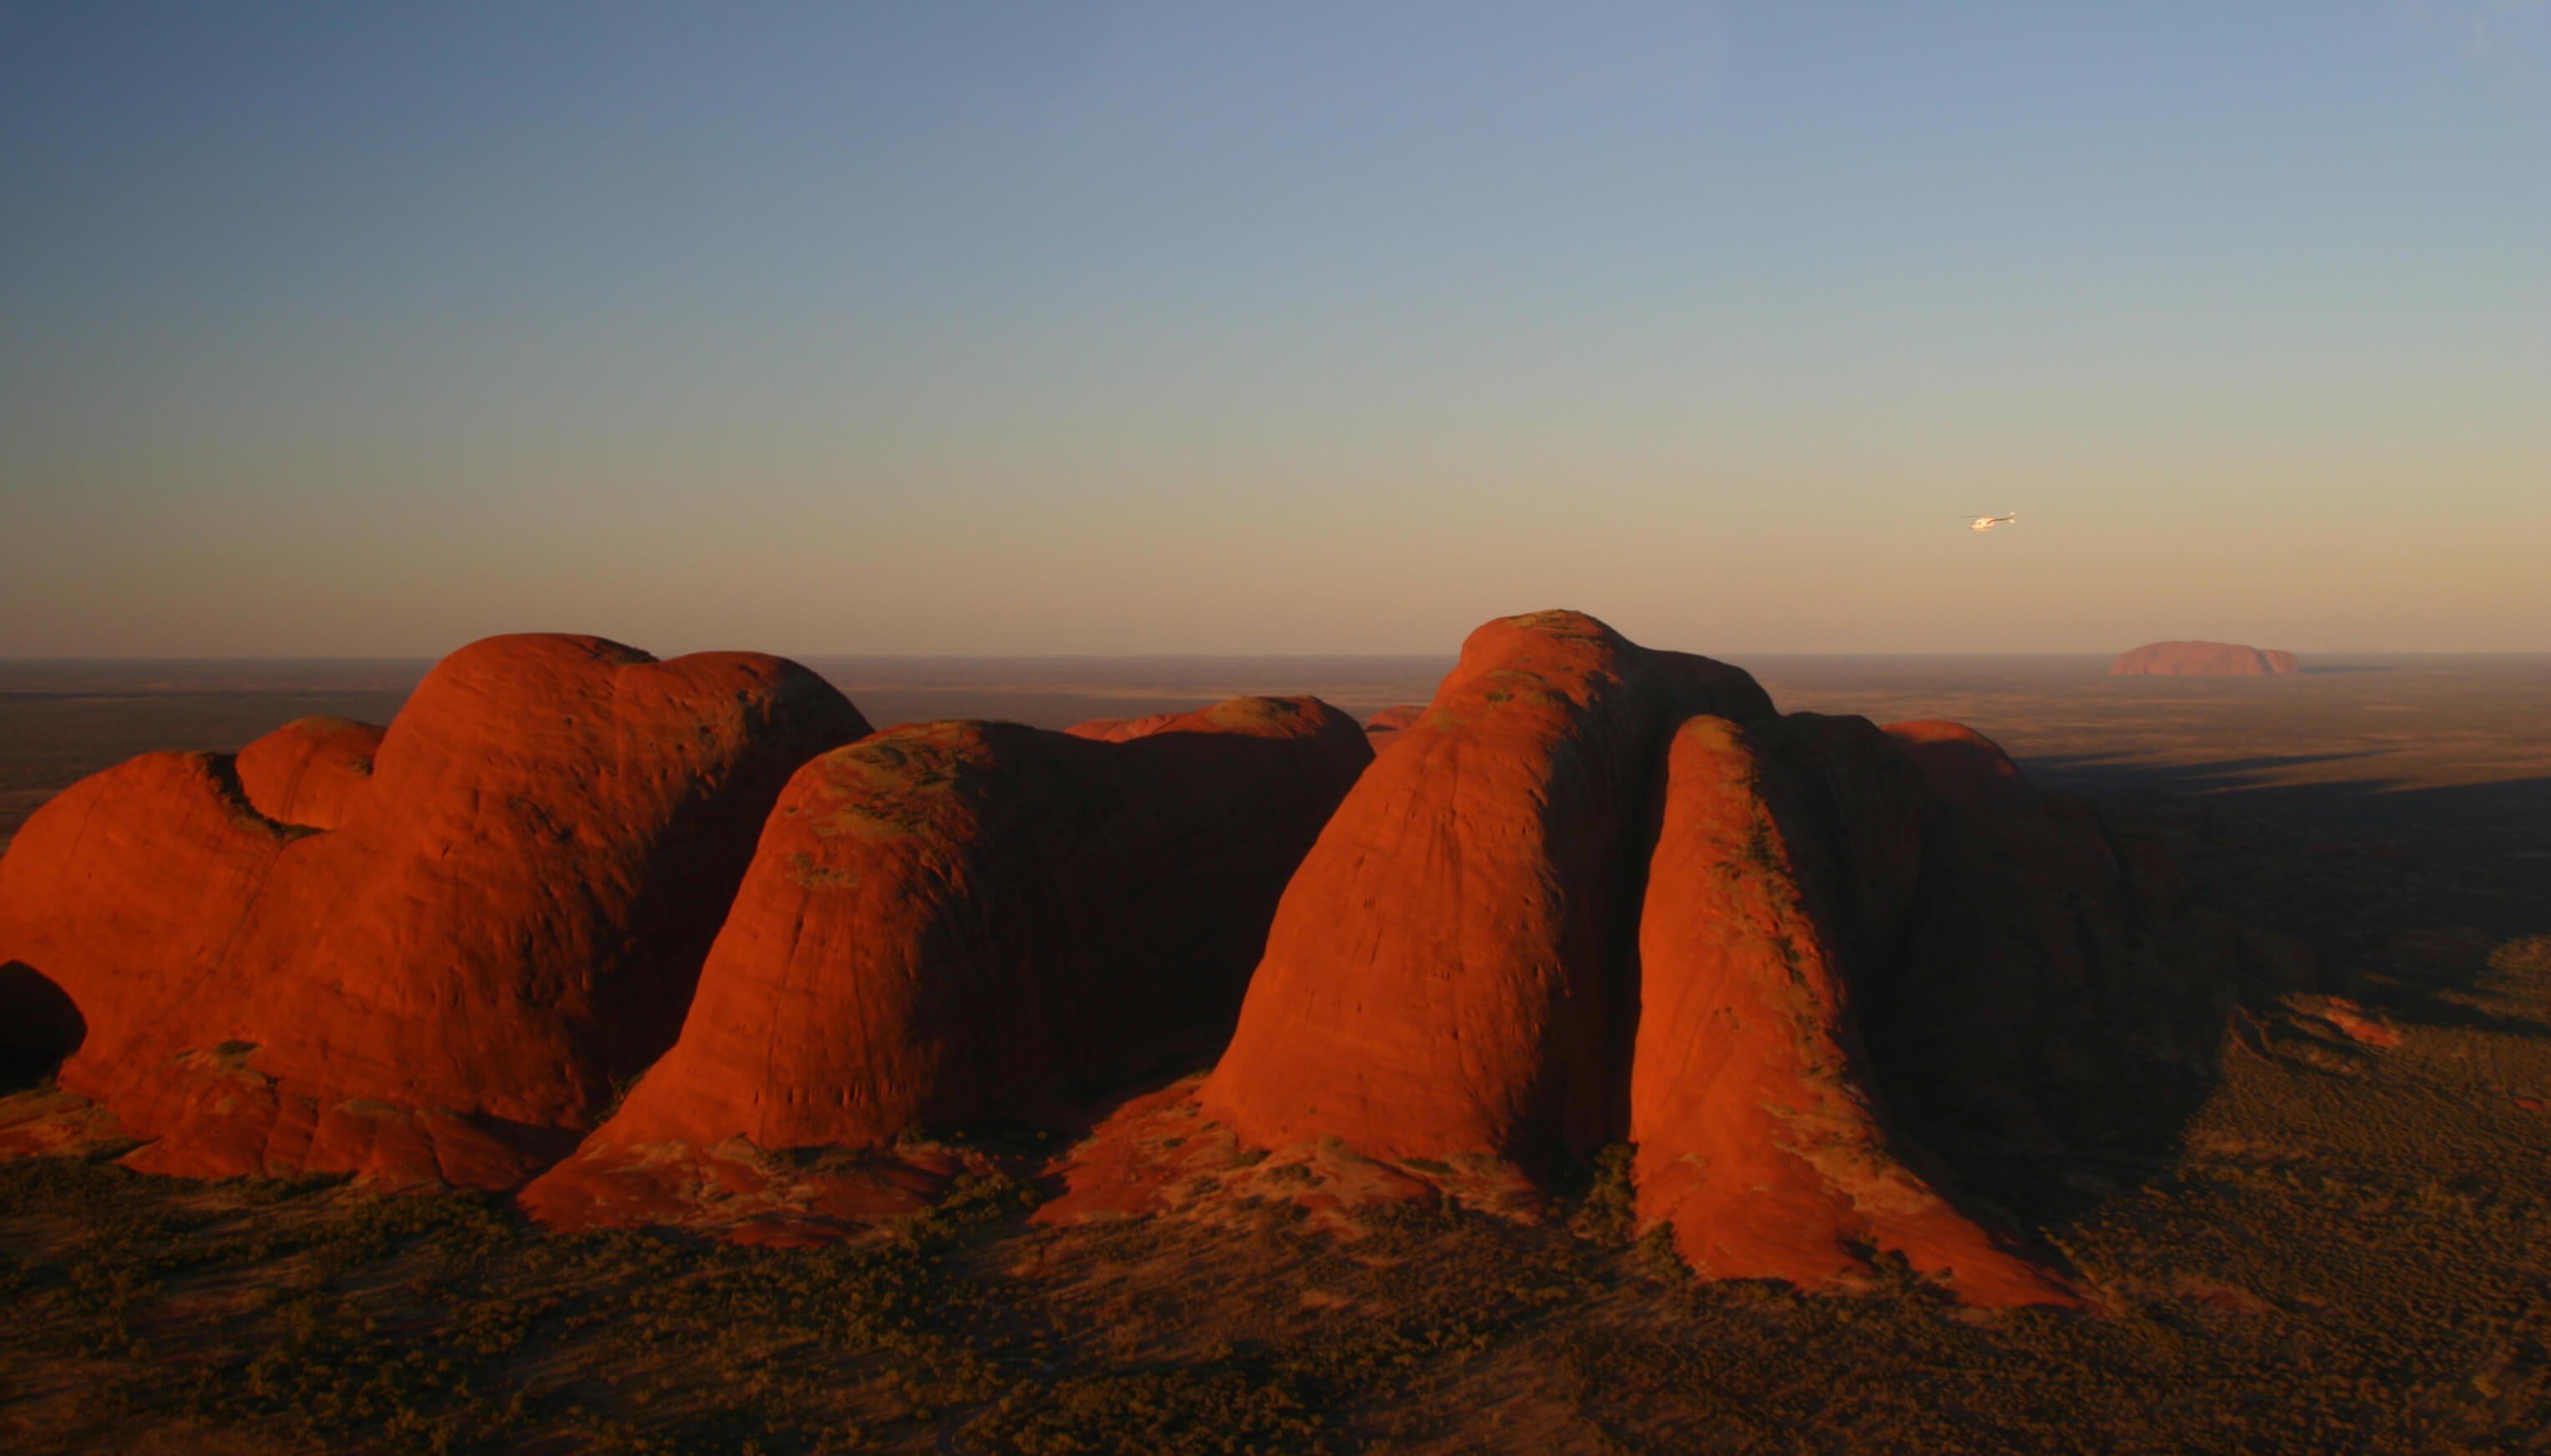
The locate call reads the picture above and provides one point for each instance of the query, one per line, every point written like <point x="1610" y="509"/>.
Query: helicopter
<point x="1988" y="523"/>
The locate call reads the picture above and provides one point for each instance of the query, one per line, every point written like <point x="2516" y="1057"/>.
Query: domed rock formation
<point x="2201" y="659"/>
<point x="307" y="771"/>
<point x="954" y="923"/>
<point x="1965" y="767"/>
<point x="1123" y="729"/>
<point x="1599" y="895"/>
<point x="508" y="914"/>
<point x="1591" y="894"/>
<point x="120" y="896"/>
<point x="1758" y="1136"/>
<point x="1449" y="971"/>
<point x="1385" y="725"/>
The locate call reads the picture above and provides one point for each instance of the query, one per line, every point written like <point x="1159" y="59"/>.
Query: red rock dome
<point x="2201" y="659"/>
<point x="1760" y="1137"/>
<point x="1384" y="726"/>
<point x="958" y="923"/>
<point x="509" y="914"/>
<point x="1448" y="971"/>
<point x="1965" y="767"/>
<point x="1122" y="729"/>
<point x="309" y="770"/>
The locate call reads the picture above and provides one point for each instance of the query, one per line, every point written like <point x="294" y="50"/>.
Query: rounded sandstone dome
<point x="2202" y="660"/>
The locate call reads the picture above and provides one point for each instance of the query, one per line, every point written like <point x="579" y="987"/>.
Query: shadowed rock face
<point x="505" y="916"/>
<point x="1966" y="768"/>
<point x="2201" y="659"/>
<point x="41" y="1025"/>
<point x="2059" y="989"/>
<point x="957" y="924"/>
<point x="1448" y="973"/>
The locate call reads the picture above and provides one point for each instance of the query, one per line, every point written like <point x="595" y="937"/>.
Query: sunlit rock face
<point x="424" y="953"/>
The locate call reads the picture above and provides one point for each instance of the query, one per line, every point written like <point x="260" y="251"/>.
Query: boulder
<point x="2201" y="659"/>
<point x="960" y="923"/>
<point x="1450" y="971"/>
<point x="507" y="917"/>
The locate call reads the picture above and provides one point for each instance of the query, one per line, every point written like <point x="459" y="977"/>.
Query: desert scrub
<point x="1224" y="1409"/>
<point x="1608" y="1212"/>
<point x="322" y="1316"/>
<point x="2321" y="1264"/>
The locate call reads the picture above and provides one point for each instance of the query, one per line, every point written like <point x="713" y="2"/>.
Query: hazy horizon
<point x="1446" y="656"/>
<point x="2327" y="660"/>
<point x="1142" y="330"/>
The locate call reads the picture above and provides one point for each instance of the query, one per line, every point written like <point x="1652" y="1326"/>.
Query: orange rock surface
<point x="2201" y="659"/>
<point x="509" y="914"/>
<point x="1449" y="972"/>
<point x="1759" y="1135"/>
<point x="308" y="771"/>
<point x="958" y="923"/>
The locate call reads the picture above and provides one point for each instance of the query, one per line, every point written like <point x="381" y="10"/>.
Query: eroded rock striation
<point x="960" y="924"/>
<point x="2202" y="660"/>
<point x="439" y="972"/>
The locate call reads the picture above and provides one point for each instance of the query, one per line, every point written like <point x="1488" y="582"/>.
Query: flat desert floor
<point x="2340" y="1247"/>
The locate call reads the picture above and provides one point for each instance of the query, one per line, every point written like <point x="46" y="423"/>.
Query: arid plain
<point x="2332" y="1242"/>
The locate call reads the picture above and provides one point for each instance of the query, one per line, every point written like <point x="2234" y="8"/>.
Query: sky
<point x="360" y="328"/>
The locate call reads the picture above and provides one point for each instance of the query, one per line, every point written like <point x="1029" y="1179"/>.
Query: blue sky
<point x="372" y="328"/>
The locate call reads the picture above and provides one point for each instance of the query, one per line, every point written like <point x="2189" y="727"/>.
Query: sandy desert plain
<point x="2334" y="1240"/>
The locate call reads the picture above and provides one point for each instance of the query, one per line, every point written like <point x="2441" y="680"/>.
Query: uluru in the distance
<point x="1336" y="730"/>
<point x="2202" y="660"/>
